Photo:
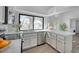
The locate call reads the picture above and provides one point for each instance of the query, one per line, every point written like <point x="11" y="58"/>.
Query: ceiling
<point x="44" y="10"/>
<point x="36" y="9"/>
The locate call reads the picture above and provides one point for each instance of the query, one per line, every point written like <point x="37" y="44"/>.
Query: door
<point x="77" y="26"/>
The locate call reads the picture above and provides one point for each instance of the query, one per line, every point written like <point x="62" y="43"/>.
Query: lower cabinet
<point x="60" y="45"/>
<point x="51" y="39"/>
<point x="33" y="39"/>
<point x="30" y="40"/>
<point x="59" y="42"/>
<point x="41" y="38"/>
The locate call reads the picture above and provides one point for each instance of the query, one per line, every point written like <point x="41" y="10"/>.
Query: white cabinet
<point x="33" y="39"/>
<point x="68" y="44"/>
<point x="30" y="40"/>
<point x="64" y="43"/>
<point x="2" y="14"/>
<point x="40" y="38"/>
<point x="60" y="43"/>
<point x="51" y="39"/>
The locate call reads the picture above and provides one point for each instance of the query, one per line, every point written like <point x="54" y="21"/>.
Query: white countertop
<point x="1" y="33"/>
<point x="25" y="31"/>
<point x="65" y="33"/>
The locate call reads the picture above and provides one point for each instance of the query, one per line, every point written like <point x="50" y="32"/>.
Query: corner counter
<point x="61" y="41"/>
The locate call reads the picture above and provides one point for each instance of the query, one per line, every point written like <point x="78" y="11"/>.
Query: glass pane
<point x="26" y="22"/>
<point x="38" y="23"/>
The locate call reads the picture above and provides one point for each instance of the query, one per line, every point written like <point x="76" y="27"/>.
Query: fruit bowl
<point x="4" y="43"/>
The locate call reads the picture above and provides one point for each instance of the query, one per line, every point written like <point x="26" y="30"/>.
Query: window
<point x="38" y="23"/>
<point x="31" y="22"/>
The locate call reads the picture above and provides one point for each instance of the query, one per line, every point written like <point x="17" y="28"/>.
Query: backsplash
<point x="8" y="27"/>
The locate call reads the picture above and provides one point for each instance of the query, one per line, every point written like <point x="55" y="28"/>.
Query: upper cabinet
<point x="2" y="14"/>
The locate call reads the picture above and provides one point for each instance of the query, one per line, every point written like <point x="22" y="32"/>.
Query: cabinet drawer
<point x="60" y="37"/>
<point x="60" y="45"/>
<point x="53" y="43"/>
<point x="26" y="36"/>
<point x="30" y="34"/>
<point x="51" y="35"/>
<point x="26" y="45"/>
<point x="29" y="42"/>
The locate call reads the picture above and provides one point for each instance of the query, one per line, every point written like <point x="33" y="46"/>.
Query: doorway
<point x="74" y="27"/>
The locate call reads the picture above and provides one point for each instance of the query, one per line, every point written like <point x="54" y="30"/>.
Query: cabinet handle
<point x="22" y="40"/>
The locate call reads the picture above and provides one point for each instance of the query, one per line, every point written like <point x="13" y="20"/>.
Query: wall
<point x="8" y="27"/>
<point x="16" y="13"/>
<point x="2" y="14"/>
<point x="68" y="16"/>
<point x="64" y="17"/>
<point x="53" y="20"/>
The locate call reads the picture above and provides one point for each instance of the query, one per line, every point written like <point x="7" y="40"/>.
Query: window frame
<point x="33" y="21"/>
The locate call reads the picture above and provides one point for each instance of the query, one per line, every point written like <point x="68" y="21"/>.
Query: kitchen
<point x="46" y="25"/>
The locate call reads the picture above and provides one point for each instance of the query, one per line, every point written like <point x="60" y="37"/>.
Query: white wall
<point x="54" y="20"/>
<point x="73" y="24"/>
<point x="2" y="14"/>
<point x="65" y="17"/>
<point x="2" y="19"/>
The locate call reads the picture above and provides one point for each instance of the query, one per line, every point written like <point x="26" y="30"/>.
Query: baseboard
<point x="33" y="47"/>
<point x="40" y="45"/>
<point x="53" y="48"/>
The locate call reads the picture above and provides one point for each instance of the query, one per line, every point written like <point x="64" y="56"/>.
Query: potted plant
<point x="63" y="27"/>
<point x="17" y="27"/>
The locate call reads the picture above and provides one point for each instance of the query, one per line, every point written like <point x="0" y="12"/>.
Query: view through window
<point x="31" y="22"/>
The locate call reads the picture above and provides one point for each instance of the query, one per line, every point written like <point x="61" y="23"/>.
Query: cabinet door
<point x="51" y="39"/>
<point x="30" y="40"/>
<point x="53" y="42"/>
<point x="33" y="39"/>
<point x="60" y="43"/>
<point x="40" y="38"/>
<point x="47" y="38"/>
<point x="26" y="43"/>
